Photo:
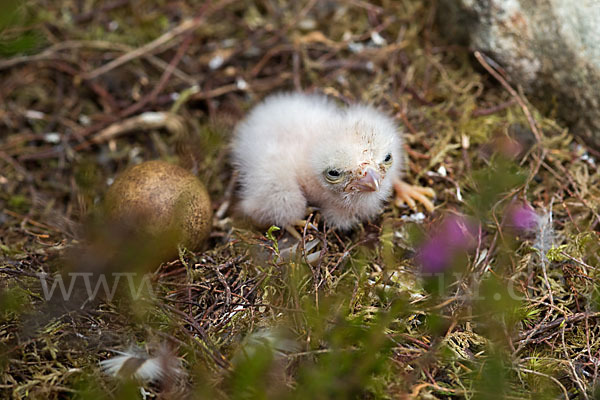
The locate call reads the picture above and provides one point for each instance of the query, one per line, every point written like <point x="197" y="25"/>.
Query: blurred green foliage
<point x="492" y="182"/>
<point x="18" y="203"/>
<point x="13" y="301"/>
<point x="16" y="34"/>
<point x="346" y="356"/>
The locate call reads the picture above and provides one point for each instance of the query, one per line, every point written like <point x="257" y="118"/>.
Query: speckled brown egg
<point x="159" y="199"/>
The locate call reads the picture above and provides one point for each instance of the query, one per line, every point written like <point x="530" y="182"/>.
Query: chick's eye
<point x="333" y="175"/>
<point x="388" y="158"/>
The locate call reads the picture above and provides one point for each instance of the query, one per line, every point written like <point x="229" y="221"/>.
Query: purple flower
<point x="523" y="217"/>
<point x="458" y="231"/>
<point x="455" y="235"/>
<point x="434" y="256"/>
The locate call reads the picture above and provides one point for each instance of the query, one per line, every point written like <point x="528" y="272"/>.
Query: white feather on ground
<point x="135" y="364"/>
<point x="296" y="149"/>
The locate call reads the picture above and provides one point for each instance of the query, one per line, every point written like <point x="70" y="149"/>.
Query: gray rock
<point x="550" y="47"/>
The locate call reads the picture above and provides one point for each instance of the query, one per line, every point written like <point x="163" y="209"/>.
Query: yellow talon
<point x="407" y="194"/>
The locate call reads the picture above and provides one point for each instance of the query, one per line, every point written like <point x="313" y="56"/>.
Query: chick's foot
<point x="407" y="194"/>
<point x="300" y="224"/>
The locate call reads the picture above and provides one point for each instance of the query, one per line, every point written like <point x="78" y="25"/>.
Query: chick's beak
<point x="369" y="182"/>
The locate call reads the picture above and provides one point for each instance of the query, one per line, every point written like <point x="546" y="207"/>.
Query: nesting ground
<point x="512" y="314"/>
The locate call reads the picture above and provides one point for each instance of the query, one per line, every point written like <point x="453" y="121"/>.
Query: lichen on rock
<point x="549" y="47"/>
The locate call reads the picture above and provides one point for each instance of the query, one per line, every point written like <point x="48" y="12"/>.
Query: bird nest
<point x="494" y="295"/>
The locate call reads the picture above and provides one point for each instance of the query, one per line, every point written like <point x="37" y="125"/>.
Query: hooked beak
<point x="369" y="182"/>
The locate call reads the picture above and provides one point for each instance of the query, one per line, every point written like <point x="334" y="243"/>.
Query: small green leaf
<point x="554" y="254"/>
<point x="272" y="238"/>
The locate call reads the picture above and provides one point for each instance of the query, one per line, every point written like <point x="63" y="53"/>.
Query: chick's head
<point x="361" y="155"/>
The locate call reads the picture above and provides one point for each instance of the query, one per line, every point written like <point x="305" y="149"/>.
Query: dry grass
<point x="516" y="318"/>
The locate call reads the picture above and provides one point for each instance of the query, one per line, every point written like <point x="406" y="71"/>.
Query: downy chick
<point x="294" y="150"/>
